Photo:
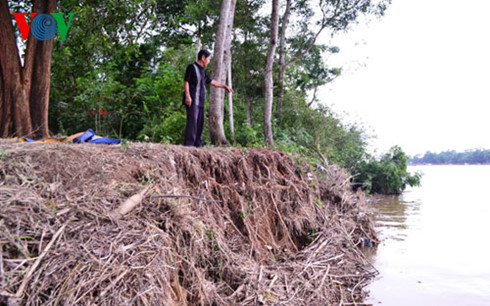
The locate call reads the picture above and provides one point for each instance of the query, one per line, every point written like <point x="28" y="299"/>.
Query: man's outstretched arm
<point x="219" y="85"/>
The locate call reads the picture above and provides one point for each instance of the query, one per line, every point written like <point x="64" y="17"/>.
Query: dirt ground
<point x="151" y="224"/>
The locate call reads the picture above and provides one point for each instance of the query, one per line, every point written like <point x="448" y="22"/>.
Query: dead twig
<point x="33" y="268"/>
<point x="183" y="196"/>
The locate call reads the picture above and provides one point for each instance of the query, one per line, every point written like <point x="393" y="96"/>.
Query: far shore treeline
<point x="451" y="157"/>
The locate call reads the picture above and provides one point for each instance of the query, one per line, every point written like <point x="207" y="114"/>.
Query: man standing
<point x="195" y="82"/>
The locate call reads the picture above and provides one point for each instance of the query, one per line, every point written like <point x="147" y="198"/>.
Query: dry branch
<point x="129" y="204"/>
<point x="171" y="196"/>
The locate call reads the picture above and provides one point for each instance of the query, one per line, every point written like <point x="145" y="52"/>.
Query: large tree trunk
<point x="221" y="46"/>
<point x="12" y="99"/>
<point x="1" y="98"/>
<point x="42" y="76"/>
<point x="25" y="90"/>
<point x="269" y="83"/>
<point x="282" y="58"/>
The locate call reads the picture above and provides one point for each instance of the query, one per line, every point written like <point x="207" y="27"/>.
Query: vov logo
<point x="43" y="26"/>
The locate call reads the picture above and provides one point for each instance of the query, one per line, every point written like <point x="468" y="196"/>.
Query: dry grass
<point x="215" y="227"/>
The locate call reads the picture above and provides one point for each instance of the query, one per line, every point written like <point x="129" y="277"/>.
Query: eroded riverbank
<point x="222" y="226"/>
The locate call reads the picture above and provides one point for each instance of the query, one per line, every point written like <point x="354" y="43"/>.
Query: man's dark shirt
<point x="192" y="77"/>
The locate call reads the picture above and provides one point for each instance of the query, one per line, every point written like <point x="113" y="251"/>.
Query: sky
<point x="419" y="76"/>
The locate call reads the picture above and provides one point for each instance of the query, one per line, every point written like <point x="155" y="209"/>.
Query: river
<point x="435" y="247"/>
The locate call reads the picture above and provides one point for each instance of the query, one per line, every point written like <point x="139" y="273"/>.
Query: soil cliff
<point x="149" y="224"/>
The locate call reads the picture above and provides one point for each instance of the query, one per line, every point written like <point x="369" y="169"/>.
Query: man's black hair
<point x="204" y="52"/>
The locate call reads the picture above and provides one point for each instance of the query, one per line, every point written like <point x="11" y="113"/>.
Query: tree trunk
<point x="14" y="106"/>
<point x="269" y="83"/>
<point x="216" y="98"/>
<point x="230" y="95"/>
<point x="248" y="82"/>
<point x="282" y="58"/>
<point x="198" y="47"/>
<point x="1" y="99"/>
<point x="227" y="56"/>
<point x="25" y="90"/>
<point x="39" y="95"/>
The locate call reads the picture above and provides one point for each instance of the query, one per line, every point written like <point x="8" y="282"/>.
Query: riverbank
<point x="155" y="224"/>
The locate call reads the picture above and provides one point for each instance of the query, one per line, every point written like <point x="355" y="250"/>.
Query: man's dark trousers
<point x="195" y="125"/>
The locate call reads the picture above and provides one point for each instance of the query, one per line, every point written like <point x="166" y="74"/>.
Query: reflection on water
<point x="391" y="215"/>
<point x="434" y="240"/>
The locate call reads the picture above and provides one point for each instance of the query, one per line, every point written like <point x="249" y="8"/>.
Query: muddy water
<point x="436" y="240"/>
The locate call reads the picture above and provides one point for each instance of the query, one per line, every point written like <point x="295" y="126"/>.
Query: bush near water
<point x="389" y="175"/>
<point x="224" y="226"/>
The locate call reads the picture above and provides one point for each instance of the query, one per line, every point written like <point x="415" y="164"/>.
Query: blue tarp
<point x="90" y="137"/>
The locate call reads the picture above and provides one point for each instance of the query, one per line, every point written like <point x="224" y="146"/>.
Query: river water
<point x="435" y="247"/>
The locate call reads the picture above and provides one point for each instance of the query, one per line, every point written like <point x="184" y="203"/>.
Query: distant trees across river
<point x="471" y="157"/>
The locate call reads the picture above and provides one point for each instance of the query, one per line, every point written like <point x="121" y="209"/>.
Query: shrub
<point x="389" y="175"/>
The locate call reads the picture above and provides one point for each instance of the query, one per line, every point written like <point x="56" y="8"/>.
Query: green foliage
<point x="312" y="72"/>
<point x="249" y="136"/>
<point x="389" y="175"/>
<point x="99" y="72"/>
<point x="126" y="102"/>
<point x="160" y="95"/>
